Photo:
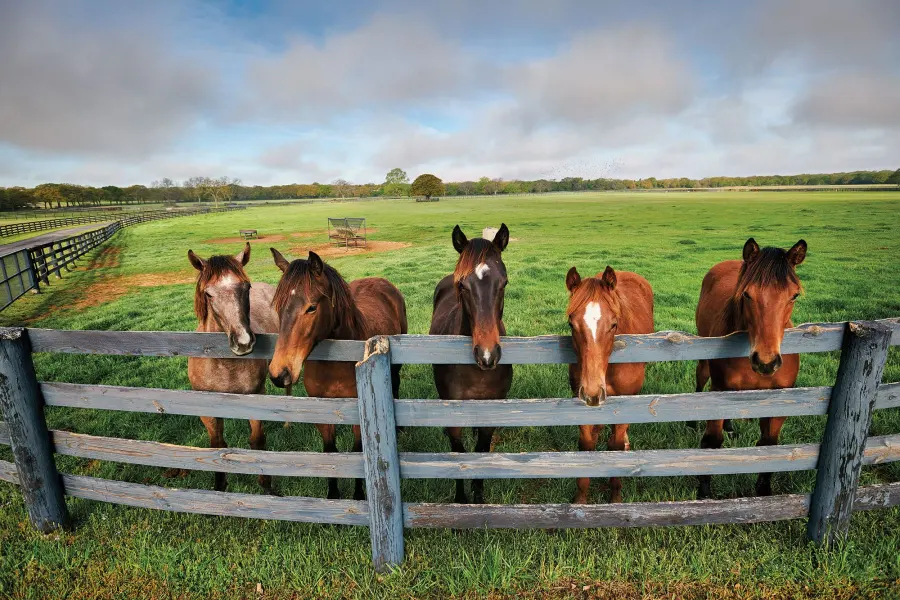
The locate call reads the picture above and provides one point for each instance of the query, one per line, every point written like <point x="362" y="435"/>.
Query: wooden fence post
<point x="380" y="456"/>
<point x="863" y="355"/>
<point x="22" y="408"/>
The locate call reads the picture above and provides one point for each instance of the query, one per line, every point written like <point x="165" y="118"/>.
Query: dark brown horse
<point x="755" y="295"/>
<point x="470" y="302"/>
<point x="600" y="308"/>
<point x="225" y="302"/>
<point x="314" y="303"/>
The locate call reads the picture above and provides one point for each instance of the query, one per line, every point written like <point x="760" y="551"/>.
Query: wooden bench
<point x="249" y="234"/>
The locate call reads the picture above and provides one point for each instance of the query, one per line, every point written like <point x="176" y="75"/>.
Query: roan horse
<point x="600" y="308"/>
<point x="224" y="301"/>
<point x="314" y="303"/>
<point x="755" y="295"/>
<point x="470" y="302"/>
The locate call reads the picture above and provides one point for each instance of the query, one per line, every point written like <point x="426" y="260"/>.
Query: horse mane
<point x="588" y="291"/>
<point x="330" y="285"/>
<point x="770" y="268"/>
<point x="216" y="268"/>
<point x="477" y="251"/>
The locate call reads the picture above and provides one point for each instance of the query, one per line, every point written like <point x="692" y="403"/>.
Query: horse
<point x="599" y="308"/>
<point x="470" y="302"/>
<point x="756" y="295"/>
<point x="314" y="303"/>
<point x="224" y="301"/>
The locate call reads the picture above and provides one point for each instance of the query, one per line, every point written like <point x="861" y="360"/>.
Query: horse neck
<point x="350" y="326"/>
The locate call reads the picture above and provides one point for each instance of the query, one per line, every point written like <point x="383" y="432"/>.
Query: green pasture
<point x="672" y="239"/>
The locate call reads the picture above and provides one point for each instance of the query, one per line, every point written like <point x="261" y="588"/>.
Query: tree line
<point x="396" y="184"/>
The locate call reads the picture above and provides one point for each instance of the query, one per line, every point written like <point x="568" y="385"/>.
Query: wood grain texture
<point x="863" y="356"/>
<point x="381" y="459"/>
<point x="8" y="472"/>
<point x="424" y="349"/>
<point x="226" y="504"/>
<point x="23" y="413"/>
<point x="292" y="409"/>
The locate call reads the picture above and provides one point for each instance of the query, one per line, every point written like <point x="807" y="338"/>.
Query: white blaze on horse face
<point x="229" y="280"/>
<point x="487" y="355"/>
<point x="592" y="317"/>
<point x="482" y="270"/>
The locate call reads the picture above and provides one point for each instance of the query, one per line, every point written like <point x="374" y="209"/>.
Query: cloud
<point x="861" y="100"/>
<point x="70" y="86"/>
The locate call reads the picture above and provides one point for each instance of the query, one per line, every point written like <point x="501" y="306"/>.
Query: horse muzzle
<point x="283" y="379"/>
<point x="593" y="399"/>
<point x="487" y="360"/>
<point x="241" y="344"/>
<point x="765" y="368"/>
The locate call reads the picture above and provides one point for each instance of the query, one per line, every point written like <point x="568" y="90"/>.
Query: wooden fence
<point x="25" y="270"/>
<point x="848" y="404"/>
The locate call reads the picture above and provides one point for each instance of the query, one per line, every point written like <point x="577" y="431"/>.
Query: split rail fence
<point x="845" y="446"/>
<point x="26" y="269"/>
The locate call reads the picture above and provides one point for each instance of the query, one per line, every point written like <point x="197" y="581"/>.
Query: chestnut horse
<point x="470" y="302"/>
<point x="314" y="303"/>
<point x="600" y="308"/>
<point x="225" y="302"/>
<point x="755" y="295"/>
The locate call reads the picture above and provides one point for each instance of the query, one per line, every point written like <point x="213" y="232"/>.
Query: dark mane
<point x="770" y="268"/>
<point x="331" y="285"/>
<point x="477" y="251"/>
<point x="216" y="268"/>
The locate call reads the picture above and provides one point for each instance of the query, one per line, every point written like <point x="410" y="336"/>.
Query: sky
<point x="100" y="92"/>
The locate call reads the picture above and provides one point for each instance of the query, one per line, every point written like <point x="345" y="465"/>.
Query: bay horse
<point x="470" y="302"/>
<point x="224" y="301"/>
<point x="600" y="308"/>
<point x="314" y="303"/>
<point x="755" y="295"/>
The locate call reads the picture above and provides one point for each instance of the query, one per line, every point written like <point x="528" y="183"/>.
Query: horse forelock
<point x="217" y="267"/>
<point x="476" y="252"/>
<point x="769" y="269"/>
<point x="593" y="289"/>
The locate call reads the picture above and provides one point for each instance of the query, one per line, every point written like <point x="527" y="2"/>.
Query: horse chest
<point x="227" y="375"/>
<point x="461" y="382"/>
<point x="737" y="374"/>
<point x="330" y="379"/>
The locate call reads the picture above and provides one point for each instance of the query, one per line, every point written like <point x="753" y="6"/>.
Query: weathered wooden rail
<point x="26" y="269"/>
<point x="849" y="405"/>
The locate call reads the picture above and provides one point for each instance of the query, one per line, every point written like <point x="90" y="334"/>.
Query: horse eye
<point x="747" y="295"/>
<point x="795" y="297"/>
<point x="312" y="308"/>
<point x="614" y="325"/>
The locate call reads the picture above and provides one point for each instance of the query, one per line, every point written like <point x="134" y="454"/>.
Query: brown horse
<point x="314" y="303"/>
<point x="600" y="308"/>
<point x="755" y="295"/>
<point x="224" y="301"/>
<point x="470" y="302"/>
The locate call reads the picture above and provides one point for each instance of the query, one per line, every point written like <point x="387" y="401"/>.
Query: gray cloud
<point x="70" y="86"/>
<point x="863" y="100"/>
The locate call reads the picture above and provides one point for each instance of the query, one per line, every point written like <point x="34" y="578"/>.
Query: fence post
<point x="863" y="354"/>
<point x="22" y="408"/>
<point x="380" y="456"/>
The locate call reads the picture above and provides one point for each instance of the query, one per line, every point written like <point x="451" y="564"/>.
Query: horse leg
<point x="769" y="429"/>
<point x="702" y="377"/>
<point x="618" y="440"/>
<point x="258" y="442"/>
<point x="215" y="427"/>
<point x="328" y="446"/>
<point x="587" y="440"/>
<point x="485" y="436"/>
<point x="456" y="445"/>
<point x="711" y="439"/>
<point x="359" y="492"/>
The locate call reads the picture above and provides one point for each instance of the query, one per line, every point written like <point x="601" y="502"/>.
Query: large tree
<point x="396" y="182"/>
<point x="894" y="178"/>
<point x="427" y="185"/>
<point x="341" y="187"/>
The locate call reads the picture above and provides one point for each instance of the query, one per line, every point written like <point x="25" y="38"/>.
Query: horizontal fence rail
<point x="863" y="347"/>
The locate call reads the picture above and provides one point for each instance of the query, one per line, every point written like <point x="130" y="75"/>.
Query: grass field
<point x="672" y="239"/>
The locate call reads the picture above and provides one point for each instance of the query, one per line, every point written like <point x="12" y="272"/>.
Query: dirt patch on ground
<point x="332" y="251"/>
<point x="278" y="237"/>
<point x="113" y="288"/>
<point x="108" y="258"/>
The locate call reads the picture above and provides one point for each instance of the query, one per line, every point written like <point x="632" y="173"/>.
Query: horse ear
<point x="797" y="253"/>
<point x="459" y="239"/>
<point x="315" y="264"/>
<point x="243" y="256"/>
<point x="501" y="239"/>
<point x="751" y="249"/>
<point x="280" y="261"/>
<point x="573" y="279"/>
<point x="198" y="262"/>
<point x="609" y="277"/>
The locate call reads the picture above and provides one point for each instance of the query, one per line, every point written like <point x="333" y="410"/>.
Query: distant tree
<point x="396" y="182"/>
<point x="427" y="185"/>
<point x="113" y="194"/>
<point x="894" y="178"/>
<point x="167" y="189"/>
<point x="467" y="188"/>
<point x="341" y="187"/>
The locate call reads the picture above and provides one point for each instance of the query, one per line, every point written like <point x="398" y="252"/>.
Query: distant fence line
<point x="26" y="269"/>
<point x="845" y="446"/>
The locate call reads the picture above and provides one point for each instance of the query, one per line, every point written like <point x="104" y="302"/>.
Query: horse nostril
<point x="754" y="358"/>
<point x="281" y="380"/>
<point x="776" y="364"/>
